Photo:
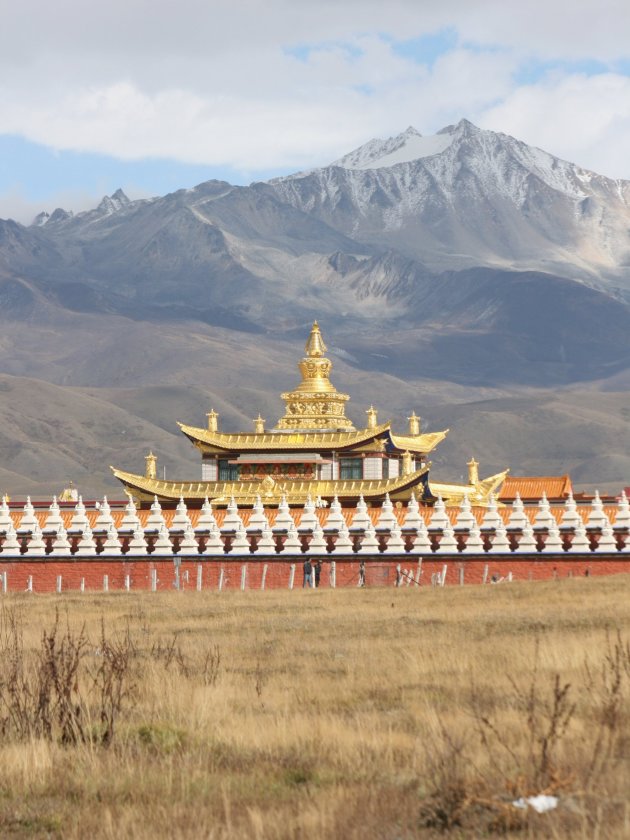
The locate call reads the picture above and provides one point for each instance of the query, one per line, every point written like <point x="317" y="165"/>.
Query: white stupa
<point x="258" y="519"/>
<point x="28" y="519"/>
<point x="309" y="518"/>
<point x="181" y="520"/>
<point x="36" y="544"/>
<point x="527" y="542"/>
<point x="335" y="517"/>
<point x="387" y="518"/>
<point x="206" y="520"/>
<point x="361" y="518"/>
<point x="54" y="519"/>
<point x="188" y="546"/>
<point x="439" y="518"/>
<point x="111" y="546"/>
<point x="283" y="520"/>
<point x="240" y="543"/>
<point x="86" y="546"/>
<point x="104" y="518"/>
<point x="61" y="544"/>
<point x="500" y="541"/>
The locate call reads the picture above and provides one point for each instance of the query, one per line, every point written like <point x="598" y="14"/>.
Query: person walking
<point x="318" y="571"/>
<point x="308" y="574"/>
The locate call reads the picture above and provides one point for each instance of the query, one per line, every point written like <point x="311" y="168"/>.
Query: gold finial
<point x="473" y="471"/>
<point x="315" y="403"/>
<point x="315" y="346"/>
<point x="407" y="463"/>
<point x="414" y="424"/>
<point x="213" y="420"/>
<point x="151" y="466"/>
<point x="259" y="425"/>
<point x="372" y="415"/>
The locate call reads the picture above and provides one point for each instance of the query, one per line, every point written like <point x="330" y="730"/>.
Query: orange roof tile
<point x="533" y="486"/>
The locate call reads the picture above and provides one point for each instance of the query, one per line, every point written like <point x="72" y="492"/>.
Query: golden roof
<point x="206" y="440"/>
<point x="296" y="492"/>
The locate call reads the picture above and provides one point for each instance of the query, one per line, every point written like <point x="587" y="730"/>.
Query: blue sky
<point x="232" y="91"/>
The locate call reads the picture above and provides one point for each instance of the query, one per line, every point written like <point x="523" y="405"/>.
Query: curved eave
<point x="296" y="491"/>
<point x="280" y="442"/>
<point x="420" y="444"/>
<point x="477" y="493"/>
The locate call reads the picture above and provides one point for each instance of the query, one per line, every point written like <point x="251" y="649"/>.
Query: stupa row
<point x="309" y="530"/>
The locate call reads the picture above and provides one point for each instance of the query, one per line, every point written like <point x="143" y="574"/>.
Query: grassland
<point x="317" y="714"/>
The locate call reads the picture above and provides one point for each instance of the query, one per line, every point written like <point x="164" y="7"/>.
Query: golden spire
<point x="151" y="466"/>
<point x="414" y="424"/>
<point x="407" y="463"/>
<point x="473" y="471"/>
<point x="259" y="425"/>
<point x="315" y="403"/>
<point x="315" y="346"/>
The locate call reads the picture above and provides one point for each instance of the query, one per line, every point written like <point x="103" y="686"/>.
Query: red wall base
<point x="379" y="571"/>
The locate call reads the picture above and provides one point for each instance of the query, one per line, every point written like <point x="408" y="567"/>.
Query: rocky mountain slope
<point x="461" y="268"/>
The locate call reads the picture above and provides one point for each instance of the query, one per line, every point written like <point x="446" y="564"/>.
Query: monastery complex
<point x="359" y="503"/>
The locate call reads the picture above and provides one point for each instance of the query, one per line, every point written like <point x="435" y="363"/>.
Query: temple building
<point x="313" y="450"/>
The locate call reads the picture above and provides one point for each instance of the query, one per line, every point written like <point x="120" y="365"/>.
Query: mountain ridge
<point x="486" y="268"/>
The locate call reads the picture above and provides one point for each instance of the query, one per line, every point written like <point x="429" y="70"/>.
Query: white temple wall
<point x="372" y="467"/>
<point x="209" y="470"/>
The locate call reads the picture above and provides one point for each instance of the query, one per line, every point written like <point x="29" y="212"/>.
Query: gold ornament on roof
<point x="151" y="466"/>
<point x="315" y="403"/>
<point x="473" y="471"/>
<point x="414" y="424"/>
<point x="372" y="415"/>
<point x="213" y="420"/>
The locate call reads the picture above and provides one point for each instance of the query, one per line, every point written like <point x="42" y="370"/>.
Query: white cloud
<point x="582" y="119"/>
<point x="216" y="83"/>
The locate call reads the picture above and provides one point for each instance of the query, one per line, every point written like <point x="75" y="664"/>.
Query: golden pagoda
<point x="314" y="450"/>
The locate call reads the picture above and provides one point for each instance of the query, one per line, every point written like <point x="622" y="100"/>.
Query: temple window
<point x="350" y="468"/>
<point x="229" y="472"/>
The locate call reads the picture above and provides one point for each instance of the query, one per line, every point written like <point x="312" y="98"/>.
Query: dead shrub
<point x="52" y="692"/>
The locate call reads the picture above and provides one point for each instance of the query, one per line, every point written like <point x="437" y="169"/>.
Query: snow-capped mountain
<point x="466" y="196"/>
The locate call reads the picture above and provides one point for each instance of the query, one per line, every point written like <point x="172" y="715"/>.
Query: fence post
<point x="127" y="583"/>
<point x="221" y="577"/>
<point x="419" y="571"/>
<point x="485" y="574"/>
<point x="443" y="579"/>
<point x="333" y="574"/>
<point x="509" y="577"/>
<point x="264" y="576"/>
<point x="292" y="576"/>
<point x="105" y="583"/>
<point x="461" y="575"/>
<point x="29" y="583"/>
<point x="4" y="583"/>
<point x="82" y="585"/>
<point x="153" y="580"/>
<point x="59" y="582"/>
<point x="243" y="576"/>
<point x="199" y="576"/>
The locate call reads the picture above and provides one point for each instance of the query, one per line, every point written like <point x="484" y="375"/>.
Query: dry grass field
<point x="317" y="714"/>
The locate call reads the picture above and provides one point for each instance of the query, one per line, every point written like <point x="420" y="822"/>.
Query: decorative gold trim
<point x="296" y="492"/>
<point x="279" y="442"/>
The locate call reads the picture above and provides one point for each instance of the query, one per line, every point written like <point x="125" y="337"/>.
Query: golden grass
<point x="347" y="714"/>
